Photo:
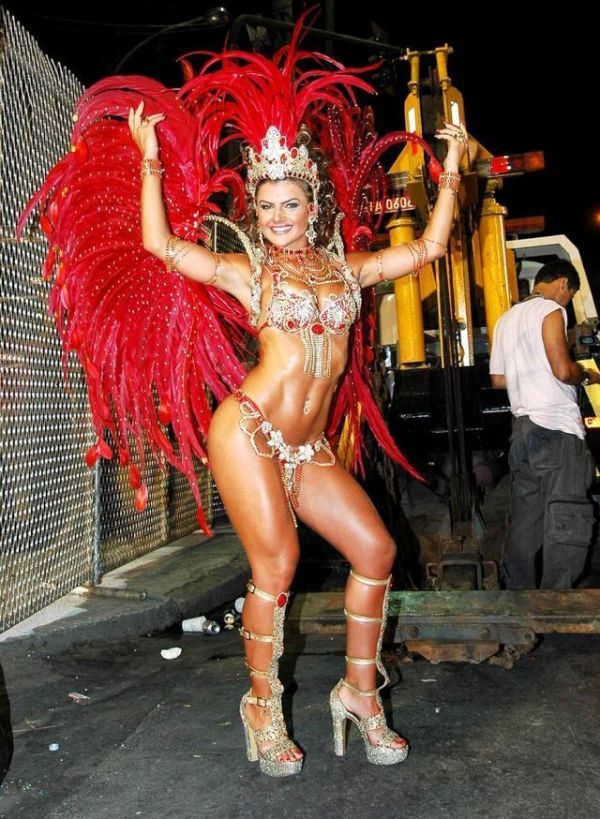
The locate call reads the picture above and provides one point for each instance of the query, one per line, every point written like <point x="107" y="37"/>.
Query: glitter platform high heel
<point x="381" y="751"/>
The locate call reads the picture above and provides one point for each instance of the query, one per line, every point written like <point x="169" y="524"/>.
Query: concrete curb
<point x="188" y="577"/>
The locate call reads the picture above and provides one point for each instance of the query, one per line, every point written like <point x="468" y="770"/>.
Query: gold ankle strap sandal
<point x="383" y="752"/>
<point x="363" y="618"/>
<point x="262" y="702"/>
<point x="275" y="733"/>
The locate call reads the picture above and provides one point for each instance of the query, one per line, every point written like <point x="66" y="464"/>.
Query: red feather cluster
<point x="238" y="95"/>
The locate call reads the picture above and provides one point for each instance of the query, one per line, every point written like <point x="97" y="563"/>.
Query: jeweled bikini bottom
<point x="268" y="442"/>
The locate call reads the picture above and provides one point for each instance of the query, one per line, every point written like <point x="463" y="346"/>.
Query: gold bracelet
<point x="175" y="250"/>
<point x="449" y="180"/>
<point x="434" y="242"/>
<point x="151" y="167"/>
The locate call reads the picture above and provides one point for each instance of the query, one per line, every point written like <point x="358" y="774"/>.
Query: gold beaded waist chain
<point x="268" y="442"/>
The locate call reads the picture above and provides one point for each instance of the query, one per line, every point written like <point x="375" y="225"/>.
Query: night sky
<point x="526" y="78"/>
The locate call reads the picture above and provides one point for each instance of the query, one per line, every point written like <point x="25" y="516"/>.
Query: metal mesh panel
<point x="124" y="533"/>
<point x="46" y="513"/>
<point x="182" y="506"/>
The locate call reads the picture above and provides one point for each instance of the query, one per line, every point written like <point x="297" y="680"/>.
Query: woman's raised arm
<point x="394" y="262"/>
<point x="229" y="272"/>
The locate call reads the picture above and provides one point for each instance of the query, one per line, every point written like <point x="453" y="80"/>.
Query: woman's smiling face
<point x="283" y="209"/>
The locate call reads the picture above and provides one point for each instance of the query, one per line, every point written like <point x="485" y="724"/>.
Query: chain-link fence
<point x="61" y="524"/>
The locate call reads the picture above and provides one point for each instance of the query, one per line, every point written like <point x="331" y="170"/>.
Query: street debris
<point x="170" y="653"/>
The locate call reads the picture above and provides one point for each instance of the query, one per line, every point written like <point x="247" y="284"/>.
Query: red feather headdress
<point x="267" y="102"/>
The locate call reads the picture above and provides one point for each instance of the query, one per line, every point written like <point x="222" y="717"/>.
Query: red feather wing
<point x="150" y="343"/>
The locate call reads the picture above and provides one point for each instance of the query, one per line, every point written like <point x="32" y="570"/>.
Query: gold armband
<point x="434" y="242"/>
<point x="418" y="251"/>
<point x="176" y="250"/>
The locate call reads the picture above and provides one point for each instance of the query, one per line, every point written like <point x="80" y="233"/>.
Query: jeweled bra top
<point x="296" y="310"/>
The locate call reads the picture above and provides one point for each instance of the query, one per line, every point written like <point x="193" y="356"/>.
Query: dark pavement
<point x="160" y="738"/>
<point x="188" y="576"/>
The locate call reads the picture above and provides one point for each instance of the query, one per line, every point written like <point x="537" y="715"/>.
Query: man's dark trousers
<point x="551" y="474"/>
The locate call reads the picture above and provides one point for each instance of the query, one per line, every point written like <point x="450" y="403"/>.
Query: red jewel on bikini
<point x="317" y="329"/>
<point x="282" y="600"/>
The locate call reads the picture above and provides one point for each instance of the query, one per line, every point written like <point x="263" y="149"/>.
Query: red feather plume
<point x="246" y="93"/>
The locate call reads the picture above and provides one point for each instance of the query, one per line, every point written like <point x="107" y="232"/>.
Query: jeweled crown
<point x="277" y="160"/>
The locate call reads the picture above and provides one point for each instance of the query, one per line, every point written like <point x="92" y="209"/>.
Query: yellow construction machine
<point x="435" y="334"/>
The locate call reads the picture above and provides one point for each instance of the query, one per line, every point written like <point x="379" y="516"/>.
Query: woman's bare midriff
<point x="295" y="403"/>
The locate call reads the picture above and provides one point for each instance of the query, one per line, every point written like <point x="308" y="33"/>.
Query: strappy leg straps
<point x="385" y="751"/>
<point x="275" y="733"/>
<point x="363" y="618"/>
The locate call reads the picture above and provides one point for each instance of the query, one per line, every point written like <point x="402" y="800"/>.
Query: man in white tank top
<point x="549" y="460"/>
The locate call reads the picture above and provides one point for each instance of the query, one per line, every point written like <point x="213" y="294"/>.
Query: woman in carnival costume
<point x="151" y="340"/>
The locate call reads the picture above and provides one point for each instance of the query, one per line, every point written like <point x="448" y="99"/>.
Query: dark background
<point x="525" y="72"/>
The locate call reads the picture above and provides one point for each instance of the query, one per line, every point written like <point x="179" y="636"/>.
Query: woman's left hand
<point x="458" y="140"/>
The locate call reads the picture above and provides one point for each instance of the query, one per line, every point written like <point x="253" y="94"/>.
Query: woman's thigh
<point x="335" y="506"/>
<point x="252" y="493"/>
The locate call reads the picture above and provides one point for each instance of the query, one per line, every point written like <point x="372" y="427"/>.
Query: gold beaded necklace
<point x="307" y="265"/>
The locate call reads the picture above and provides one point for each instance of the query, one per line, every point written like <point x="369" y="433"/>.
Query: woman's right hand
<point x="457" y="140"/>
<point x="143" y="131"/>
